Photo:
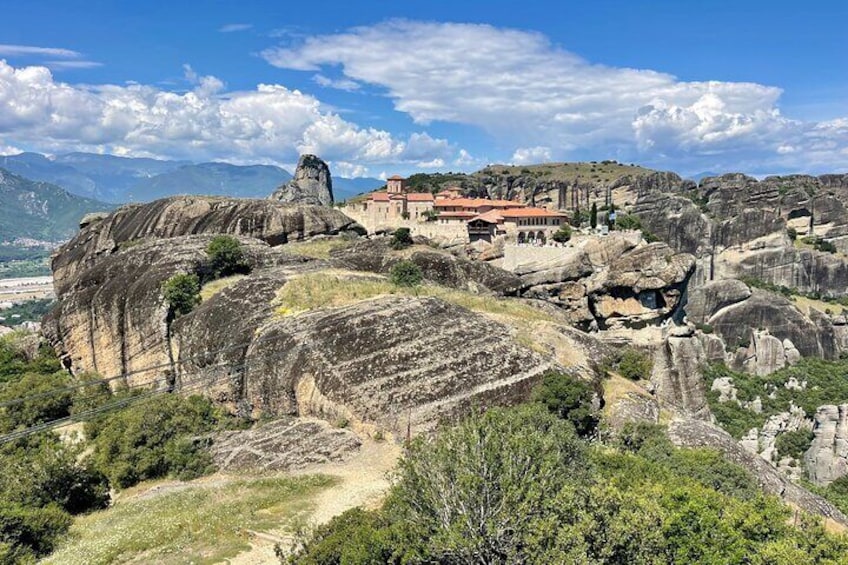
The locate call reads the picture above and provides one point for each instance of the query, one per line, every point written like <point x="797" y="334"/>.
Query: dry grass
<point x="332" y="289"/>
<point x="199" y="524"/>
<point x="318" y="248"/>
<point x="212" y="288"/>
<point x="617" y="387"/>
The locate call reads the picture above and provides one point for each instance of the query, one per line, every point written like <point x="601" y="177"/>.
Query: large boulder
<point x="272" y="222"/>
<point x="677" y="376"/>
<point x="827" y="458"/>
<point x="311" y="184"/>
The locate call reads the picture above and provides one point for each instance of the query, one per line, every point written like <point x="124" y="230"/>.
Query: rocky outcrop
<point x="695" y="433"/>
<point x="377" y="256"/>
<point x="111" y="318"/>
<point x="392" y="362"/>
<point x="271" y="222"/>
<point x="827" y="458"/>
<point x="311" y="184"/>
<point x="705" y="301"/>
<point x="677" y="377"/>
<point x="285" y="444"/>
<point x="615" y="281"/>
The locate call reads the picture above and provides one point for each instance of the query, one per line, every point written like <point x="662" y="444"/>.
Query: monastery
<point x="448" y="214"/>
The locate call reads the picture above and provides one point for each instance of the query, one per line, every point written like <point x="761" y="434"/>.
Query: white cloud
<point x="434" y="164"/>
<point x="518" y="86"/>
<point x="230" y="28"/>
<point x="348" y="170"/>
<point x="338" y="84"/>
<point x="269" y="124"/>
<point x="64" y="65"/>
<point x="529" y="155"/>
<point x="7" y="50"/>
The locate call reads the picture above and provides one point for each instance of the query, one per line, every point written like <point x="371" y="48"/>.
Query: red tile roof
<point x="531" y="213"/>
<point x="476" y="203"/>
<point x="395" y="177"/>
<point x="419" y="197"/>
<point x="491" y="217"/>
<point x="379" y="197"/>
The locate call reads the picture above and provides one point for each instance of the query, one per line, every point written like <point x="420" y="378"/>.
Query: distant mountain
<point x="216" y="179"/>
<point x="110" y="178"/>
<point x="40" y="210"/>
<point x="345" y="188"/>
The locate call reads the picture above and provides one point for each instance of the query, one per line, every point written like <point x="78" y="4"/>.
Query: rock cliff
<point x="312" y="184"/>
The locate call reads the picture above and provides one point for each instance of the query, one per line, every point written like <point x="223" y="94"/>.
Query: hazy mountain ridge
<point x="118" y="180"/>
<point x="39" y="210"/>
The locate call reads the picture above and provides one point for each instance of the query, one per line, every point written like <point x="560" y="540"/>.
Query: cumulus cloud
<point x="517" y="85"/>
<point x="529" y="155"/>
<point x="269" y="124"/>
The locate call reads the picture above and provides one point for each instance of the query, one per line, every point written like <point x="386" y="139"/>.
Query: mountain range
<point x="40" y="210"/>
<point x="118" y="180"/>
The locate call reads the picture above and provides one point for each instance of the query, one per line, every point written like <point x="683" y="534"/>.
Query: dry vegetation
<point x="198" y="523"/>
<point x="331" y="289"/>
<point x="212" y="288"/>
<point x="605" y="171"/>
<point x="317" y="248"/>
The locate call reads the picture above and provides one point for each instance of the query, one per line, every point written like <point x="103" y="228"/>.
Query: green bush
<point x="35" y="410"/>
<point x="152" y="439"/>
<point x="563" y="234"/>
<point x="182" y="293"/>
<point x="593" y="216"/>
<point x="635" y="364"/>
<point x="28" y="533"/>
<point x="406" y="273"/>
<point x="568" y="398"/>
<point x="226" y="256"/>
<point x="792" y="233"/>
<point x="401" y="239"/>
<point x="628" y="222"/>
<point x="794" y="443"/>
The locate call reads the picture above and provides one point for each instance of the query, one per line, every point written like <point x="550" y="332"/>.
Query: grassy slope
<point x="200" y="522"/>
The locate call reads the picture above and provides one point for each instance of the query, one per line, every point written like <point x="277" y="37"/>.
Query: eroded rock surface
<point x="827" y="458"/>
<point x="312" y="184"/>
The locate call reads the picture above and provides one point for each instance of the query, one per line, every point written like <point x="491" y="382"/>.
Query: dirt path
<point x="363" y="481"/>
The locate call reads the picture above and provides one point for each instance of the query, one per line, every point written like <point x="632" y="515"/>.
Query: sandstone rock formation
<point x="677" y="376"/>
<point x="271" y="222"/>
<point x="285" y="444"/>
<point x="827" y="458"/>
<point x="438" y="266"/>
<point x="311" y="184"/>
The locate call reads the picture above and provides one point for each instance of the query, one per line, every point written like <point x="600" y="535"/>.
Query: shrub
<point x="569" y="399"/>
<point x="182" y="293"/>
<point x="406" y="273"/>
<point x="794" y="443"/>
<point x="563" y="234"/>
<point x="401" y="239"/>
<point x="628" y="222"/>
<point x="35" y="410"/>
<point x="634" y="364"/>
<point x="152" y="439"/>
<point x="27" y="533"/>
<point x="792" y="233"/>
<point x="226" y="256"/>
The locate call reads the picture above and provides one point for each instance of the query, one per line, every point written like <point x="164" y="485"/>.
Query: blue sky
<point x="385" y="87"/>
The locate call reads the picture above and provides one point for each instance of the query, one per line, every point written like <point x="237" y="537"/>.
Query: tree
<point x="563" y="234"/>
<point x="634" y="364"/>
<point x="401" y="239"/>
<point x="406" y="273"/>
<point x="569" y="399"/>
<point x="593" y="216"/>
<point x="476" y="493"/>
<point x="182" y="293"/>
<point x="226" y="256"/>
<point x="611" y="216"/>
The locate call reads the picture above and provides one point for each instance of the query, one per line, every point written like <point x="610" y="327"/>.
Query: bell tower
<point x="394" y="185"/>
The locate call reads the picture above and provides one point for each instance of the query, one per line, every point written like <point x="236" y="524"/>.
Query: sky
<point x="378" y="88"/>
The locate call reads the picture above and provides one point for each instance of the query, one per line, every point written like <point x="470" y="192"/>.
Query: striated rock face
<point x="677" y="376"/>
<point x="282" y="445"/>
<point x="311" y="184"/>
<point x="827" y="458"/>
<point x="705" y="301"/>
<point x="391" y="362"/>
<point x="443" y="268"/>
<point x="112" y="318"/>
<point x="271" y="222"/>
<point x="695" y="433"/>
